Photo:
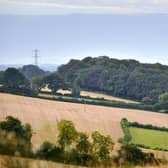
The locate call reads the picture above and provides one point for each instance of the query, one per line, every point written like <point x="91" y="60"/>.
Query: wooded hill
<point x="123" y="78"/>
<point x="30" y="71"/>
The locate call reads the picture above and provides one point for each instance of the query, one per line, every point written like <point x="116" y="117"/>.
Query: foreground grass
<point x="151" y="138"/>
<point x="16" y="162"/>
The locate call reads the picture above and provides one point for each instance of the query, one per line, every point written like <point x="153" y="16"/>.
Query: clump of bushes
<point x="129" y="154"/>
<point x="15" y="138"/>
<point x="76" y="148"/>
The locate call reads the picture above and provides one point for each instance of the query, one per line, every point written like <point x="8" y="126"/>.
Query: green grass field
<point x="151" y="138"/>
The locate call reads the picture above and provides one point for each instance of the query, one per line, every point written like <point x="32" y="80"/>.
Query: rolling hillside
<point x="44" y="114"/>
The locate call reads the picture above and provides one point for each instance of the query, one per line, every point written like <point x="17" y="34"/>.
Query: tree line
<point x="13" y="81"/>
<point x="122" y="78"/>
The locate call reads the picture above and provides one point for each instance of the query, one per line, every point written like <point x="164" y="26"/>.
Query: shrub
<point x="130" y="154"/>
<point x="125" y="126"/>
<point x="15" y="137"/>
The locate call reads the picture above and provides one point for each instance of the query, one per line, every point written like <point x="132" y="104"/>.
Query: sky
<point x="66" y="29"/>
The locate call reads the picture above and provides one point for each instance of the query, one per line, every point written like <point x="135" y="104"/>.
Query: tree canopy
<point x="12" y="78"/>
<point x="54" y="82"/>
<point x="122" y="78"/>
<point x="67" y="133"/>
<point x="31" y="71"/>
<point x="15" y="137"/>
<point x="1" y="77"/>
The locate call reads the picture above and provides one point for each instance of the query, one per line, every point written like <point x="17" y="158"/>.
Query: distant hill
<point x="45" y="67"/>
<point x="3" y="67"/>
<point x="30" y="71"/>
<point x="123" y="78"/>
<point x="48" y="67"/>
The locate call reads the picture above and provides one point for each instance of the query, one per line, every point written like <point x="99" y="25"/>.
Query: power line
<point x="36" y="56"/>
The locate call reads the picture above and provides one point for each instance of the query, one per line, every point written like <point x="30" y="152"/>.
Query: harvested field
<point x="92" y="95"/>
<point x="107" y="97"/>
<point x="44" y="114"/>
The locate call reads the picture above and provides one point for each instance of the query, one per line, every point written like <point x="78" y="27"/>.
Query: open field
<point x="43" y="115"/>
<point x="93" y="95"/>
<point x="107" y="97"/>
<point x="152" y="138"/>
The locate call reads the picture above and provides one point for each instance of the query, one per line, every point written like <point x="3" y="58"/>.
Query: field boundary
<point x="92" y="101"/>
<point x="125" y="124"/>
<point x="88" y="100"/>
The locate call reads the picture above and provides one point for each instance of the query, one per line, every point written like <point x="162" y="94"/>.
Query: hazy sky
<point x="65" y="29"/>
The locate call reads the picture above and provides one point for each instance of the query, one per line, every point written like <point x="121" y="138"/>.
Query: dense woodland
<point x="122" y="78"/>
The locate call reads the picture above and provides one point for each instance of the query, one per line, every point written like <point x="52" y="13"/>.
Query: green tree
<point x="1" y="77"/>
<point x="15" y="137"/>
<point x="163" y="100"/>
<point x="38" y="82"/>
<point x="30" y="71"/>
<point x="101" y="148"/>
<point x="45" y="149"/>
<point x="129" y="153"/>
<point x="14" y="79"/>
<point x="83" y="145"/>
<point x="83" y="148"/>
<point x="54" y="82"/>
<point x="67" y="134"/>
<point x="147" y="100"/>
<point x="76" y="90"/>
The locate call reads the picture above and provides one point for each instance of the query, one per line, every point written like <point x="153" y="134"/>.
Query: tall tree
<point x="1" y="77"/>
<point x="12" y="78"/>
<point x="101" y="148"/>
<point x="54" y="82"/>
<point x="67" y="134"/>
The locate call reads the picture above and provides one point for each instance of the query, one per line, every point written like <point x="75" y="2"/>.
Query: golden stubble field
<point x="43" y="115"/>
